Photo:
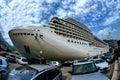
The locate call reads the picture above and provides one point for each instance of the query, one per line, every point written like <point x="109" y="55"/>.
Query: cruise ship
<point x="60" y="39"/>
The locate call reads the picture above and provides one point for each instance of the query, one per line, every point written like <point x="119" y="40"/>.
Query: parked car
<point x="86" y="71"/>
<point x="55" y="63"/>
<point x="2" y="53"/>
<point x="35" y="72"/>
<point x="102" y="64"/>
<point x="107" y="57"/>
<point x="22" y="60"/>
<point x="4" y="66"/>
<point x="11" y="57"/>
<point x="112" y="56"/>
<point x="67" y="63"/>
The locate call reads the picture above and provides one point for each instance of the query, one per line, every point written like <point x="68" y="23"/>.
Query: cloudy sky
<point x="102" y="17"/>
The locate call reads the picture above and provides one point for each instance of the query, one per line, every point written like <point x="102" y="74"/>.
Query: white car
<point x="102" y="64"/>
<point x="55" y="63"/>
<point x="22" y="60"/>
<point x="86" y="70"/>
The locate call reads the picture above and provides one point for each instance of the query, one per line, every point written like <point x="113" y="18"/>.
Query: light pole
<point x="41" y="56"/>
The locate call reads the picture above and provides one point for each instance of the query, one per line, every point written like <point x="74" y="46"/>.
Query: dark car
<point x="107" y="57"/>
<point x="11" y="57"/>
<point x="86" y="71"/>
<point x="35" y="72"/>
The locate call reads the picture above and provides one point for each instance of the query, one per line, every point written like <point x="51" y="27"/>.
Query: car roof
<point x="2" y="57"/>
<point x="41" y="67"/>
<point x="84" y="62"/>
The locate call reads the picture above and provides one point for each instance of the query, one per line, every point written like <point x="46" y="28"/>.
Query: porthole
<point x="72" y="41"/>
<point x="24" y="33"/>
<point x="32" y="34"/>
<point x="28" y="33"/>
<point x="68" y="40"/>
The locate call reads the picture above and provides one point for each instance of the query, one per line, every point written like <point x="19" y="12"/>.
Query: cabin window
<point x="13" y="33"/>
<point x="68" y="40"/>
<point x="28" y="33"/>
<point x="41" y="35"/>
<point x="32" y="34"/>
<point x="72" y="41"/>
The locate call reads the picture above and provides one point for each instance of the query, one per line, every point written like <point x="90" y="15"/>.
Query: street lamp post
<point x="41" y="56"/>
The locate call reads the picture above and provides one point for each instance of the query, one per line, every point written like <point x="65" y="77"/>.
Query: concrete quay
<point x="116" y="72"/>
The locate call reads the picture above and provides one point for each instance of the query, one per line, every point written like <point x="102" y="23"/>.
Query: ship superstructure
<point x="60" y="39"/>
<point x="70" y="28"/>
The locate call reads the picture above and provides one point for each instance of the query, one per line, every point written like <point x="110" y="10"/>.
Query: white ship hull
<point x="45" y="43"/>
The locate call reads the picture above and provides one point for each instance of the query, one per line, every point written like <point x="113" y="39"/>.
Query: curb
<point x="115" y="75"/>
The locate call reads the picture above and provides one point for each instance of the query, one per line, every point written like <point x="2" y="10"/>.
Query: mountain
<point x="4" y="45"/>
<point x="112" y="43"/>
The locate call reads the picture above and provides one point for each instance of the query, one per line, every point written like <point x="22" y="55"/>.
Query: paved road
<point x="110" y="73"/>
<point x="66" y="75"/>
<point x="13" y="65"/>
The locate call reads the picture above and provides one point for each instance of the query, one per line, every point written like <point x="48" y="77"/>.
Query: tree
<point x="110" y="50"/>
<point x="117" y="50"/>
<point x="118" y="42"/>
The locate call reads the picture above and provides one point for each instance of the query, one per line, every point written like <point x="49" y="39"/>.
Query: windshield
<point x="21" y="73"/>
<point x="24" y="60"/>
<point x="99" y="61"/>
<point x="84" y="68"/>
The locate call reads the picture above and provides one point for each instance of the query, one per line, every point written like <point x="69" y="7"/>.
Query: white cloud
<point x="18" y="12"/>
<point x="61" y="12"/>
<point x="106" y="33"/>
<point x="113" y="11"/>
<point x="112" y="19"/>
<point x="51" y="1"/>
<point x="81" y="3"/>
<point x="79" y="7"/>
<point x="22" y="12"/>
